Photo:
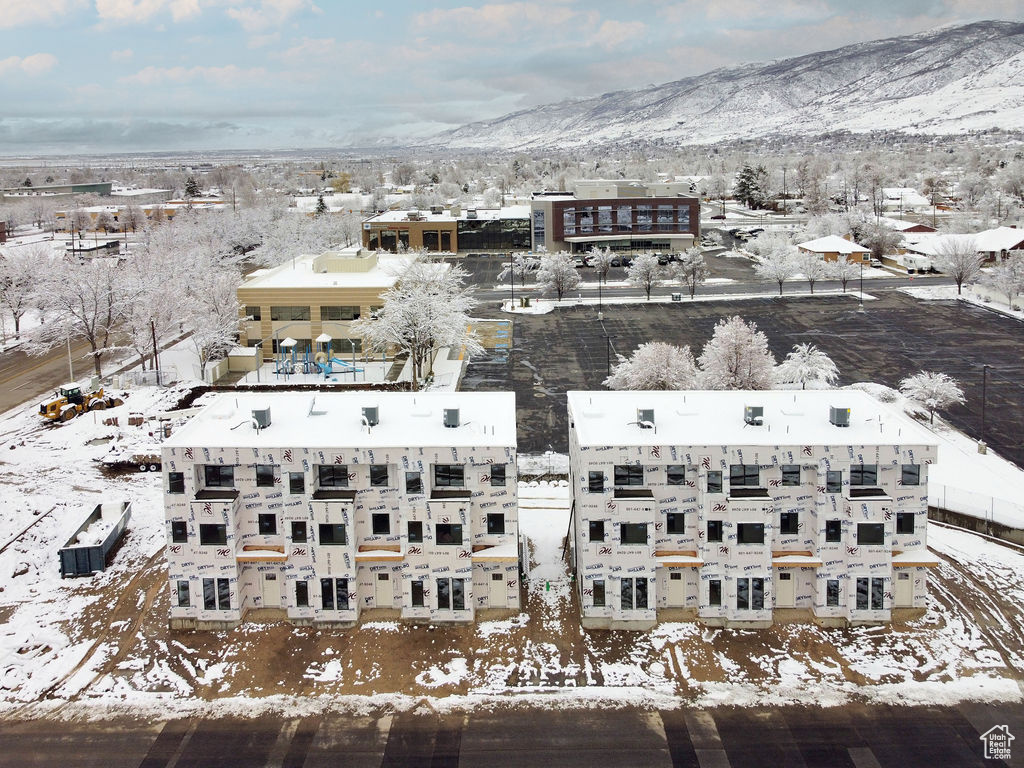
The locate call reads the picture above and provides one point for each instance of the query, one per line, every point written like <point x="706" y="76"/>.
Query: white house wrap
<point x="735" y="504"/>
<point x="315" y="506"/>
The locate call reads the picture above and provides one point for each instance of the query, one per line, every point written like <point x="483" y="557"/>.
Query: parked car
<point x="718" y="216"/>
<point x="577" y="261"/>
<point x="876" y="263"/>
<point x="616" y="263"/>
<point x="663" y="259"/>
<point x="627" y="261"/>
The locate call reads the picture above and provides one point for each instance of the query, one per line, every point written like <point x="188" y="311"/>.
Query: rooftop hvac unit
<point x="471" y="213"/>
<point x="753" y="415"/>
<point x="451" y="417"/>
<point x="261" y="416"/>
<point x="371" y="415"/>
<point x="435" y="210"/>
<point x="645" y="418"/>
<point x="839" y="416"/>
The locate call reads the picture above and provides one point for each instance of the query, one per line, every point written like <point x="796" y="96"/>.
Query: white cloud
<point x="503" y="20"/>
<point x="225" y="76"/>
<point x="142" y="10"/>
<point x="613" y="33"/>
<point x="36" y="64"/>
<point x="269" y="13"/>
<point x="14" y="13"/>
<point x="122" y="55"/>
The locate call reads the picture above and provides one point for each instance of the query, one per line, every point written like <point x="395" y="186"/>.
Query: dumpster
<point x="87" y="550"/>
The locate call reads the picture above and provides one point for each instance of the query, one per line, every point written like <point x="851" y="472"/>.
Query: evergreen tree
<point x="321" y="206"/>
<point x="192" y="187"/>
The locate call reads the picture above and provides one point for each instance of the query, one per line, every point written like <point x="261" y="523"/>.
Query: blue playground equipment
<point x="328" y="365"/>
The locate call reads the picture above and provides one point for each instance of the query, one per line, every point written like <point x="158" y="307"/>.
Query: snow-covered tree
<point x="935" y="391"/>
<point x="191" y="188"/>
<point x="557" y="273"/>
<point x="321" y="206"/>
<point x="1006" y="278"/>
<point x="104" y="221"/>
<point x="690" y="269"/>
<point x="778" y="265"/>
<point x="806" y="363"/>
<point x="601" y="261"/>
<point x="132" y="217"/>
<point x="958" y="257"/>
<point x="842" y="269"/>
<point x="518" y="269"/>
<point x="655" y="365"/>
<point x="811" y="266"/>
<point x="80" y="300"/>
<point x="19" y="273"/>
<point x="645" y="272"/>
<point x="736" y="357"/>
<point x="212" y="312"/>
<point x="428" y="308"/>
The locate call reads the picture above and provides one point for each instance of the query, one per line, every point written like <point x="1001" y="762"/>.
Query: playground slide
<point x="343" y="364"/>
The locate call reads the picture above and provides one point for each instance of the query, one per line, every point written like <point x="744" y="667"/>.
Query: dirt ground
<point x="970" y="629"/>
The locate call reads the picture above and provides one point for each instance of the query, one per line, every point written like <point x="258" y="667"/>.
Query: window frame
<point x="218" y="473"/>
<point x="834" y="531"/>
<point x="414" y="483"/>
<point x="266" y="523"/>
<point x="714" y="481"/>
<point x="675" y="523"/>
<point x="633" y="540"/>
<point x="714" y="593"/>
<point x="205" y="531"/>
<point x="596" y="525"/>
<point x="179" y="532"/>
<point x="902" y="520"/>
<point x="789" y="523"/>
<point x="832" y="593"/>
<point x="416" y="600"/>
<point x="333" y="528"/>
<point x="295" y="527"/>
<point x="495" y="523"/>
<point x="414" y="538"/>
<point x="380" y="523"/>
<point x="296" y="483"/>
<point x="336" y="475"/>
<point x="599" y="598"/>
<point x="627" y="475"/>
<point x="915" y="474"/>
<point x="675" y="474"/>
<point x="454" y="528"/>
<point x="863" y="475"/>
<point x="261" y="475"/>
<point x="788" y="470"/>
<point x="595" y="482"/>
<point x="744" y="476"/>
<point x="498" y="475"/>
<point x="716" y="531"/>
<point x="449" y="475"/>
<point x="183" y="593"/>
<point x="302" y="594"/>
<point x="834" y="481"/>
<point x="375" y="475"/>
<point x="175" y="483"/>
<point x="747" y="527"/>
<point x="863" y="540"/>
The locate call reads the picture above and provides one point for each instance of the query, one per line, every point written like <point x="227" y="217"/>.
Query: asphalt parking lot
<point x="896" y="337"/>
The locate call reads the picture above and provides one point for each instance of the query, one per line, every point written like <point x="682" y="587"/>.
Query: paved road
<point x="24" y="377"/>
<point x="852" y="736"/>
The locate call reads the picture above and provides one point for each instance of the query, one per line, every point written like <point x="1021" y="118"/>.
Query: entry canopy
<point x="323" y="338"/>
<point x="288" y="342"/>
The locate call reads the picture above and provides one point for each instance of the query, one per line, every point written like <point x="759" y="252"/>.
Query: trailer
<point x="87" y="550"/>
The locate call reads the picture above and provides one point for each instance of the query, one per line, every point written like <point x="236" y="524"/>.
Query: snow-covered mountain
<point x="944" y="81"/>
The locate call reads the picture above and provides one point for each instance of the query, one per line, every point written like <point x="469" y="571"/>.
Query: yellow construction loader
<point x="69" y="401"/>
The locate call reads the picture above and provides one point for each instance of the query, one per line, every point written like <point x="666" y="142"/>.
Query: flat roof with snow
<point x="832" y="244"/>
<point x="481" y="214"/>
<point x="335" y="420"/>
<point x="300" y="273"/>
<point x="697" y="417"/>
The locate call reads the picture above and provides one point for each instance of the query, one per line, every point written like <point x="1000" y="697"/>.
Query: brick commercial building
<point x="621" y="215"/>
<point x="730" y="506"/>
<point x="314" y="507"/>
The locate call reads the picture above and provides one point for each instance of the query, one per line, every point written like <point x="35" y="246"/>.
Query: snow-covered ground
<point x="973" y="294"/>
<point x="544" y="306"/>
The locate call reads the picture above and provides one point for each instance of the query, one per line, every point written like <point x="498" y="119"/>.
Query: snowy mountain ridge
<point x="948" y="80"/>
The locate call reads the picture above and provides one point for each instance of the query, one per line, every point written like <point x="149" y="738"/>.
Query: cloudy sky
<point x="109" y="75"/>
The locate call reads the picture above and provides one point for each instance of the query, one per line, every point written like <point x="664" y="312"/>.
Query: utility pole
<point x="156" y="351"/>
<point x="984" y="393"/>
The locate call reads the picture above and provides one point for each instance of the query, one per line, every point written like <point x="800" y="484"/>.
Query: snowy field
<point x="973" y="294"/>
<point x="99" y="646"/>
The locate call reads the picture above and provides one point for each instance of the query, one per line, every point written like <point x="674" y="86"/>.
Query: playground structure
<point x="288" y="362"/>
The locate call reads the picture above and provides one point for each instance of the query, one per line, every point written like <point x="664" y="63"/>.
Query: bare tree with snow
<point x="777" y="266"/>
<point x="19" y="273"/>
<point x="690" y="269"/>
<point x="645" y="272"/>
<point x="601" y="260"/>
<point x="557" y="273"/>
<point x="842" y="269"/>
<point x="655" y="365"/>
<point x="958" y="257"/>
<point x="1006" y="278"/>
<point x="812" y="267"/>
<point x="428" y="308"/>
<point x="935" y="391"/>
<point x="806" y="363"/>
<point x="82" y="301"/>
<point x="736" y="357"/>
<point x="519" y="268"/>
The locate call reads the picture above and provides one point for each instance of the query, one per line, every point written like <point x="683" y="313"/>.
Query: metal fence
<point x="979" y="505"/>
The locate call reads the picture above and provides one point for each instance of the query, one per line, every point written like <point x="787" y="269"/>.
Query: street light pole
<point x="861" y="307"/>
<point x="600" y="310"/>
<point x="71" y="371"/>
<point x="608" y="354"/>
<point x="984" y="393"/>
